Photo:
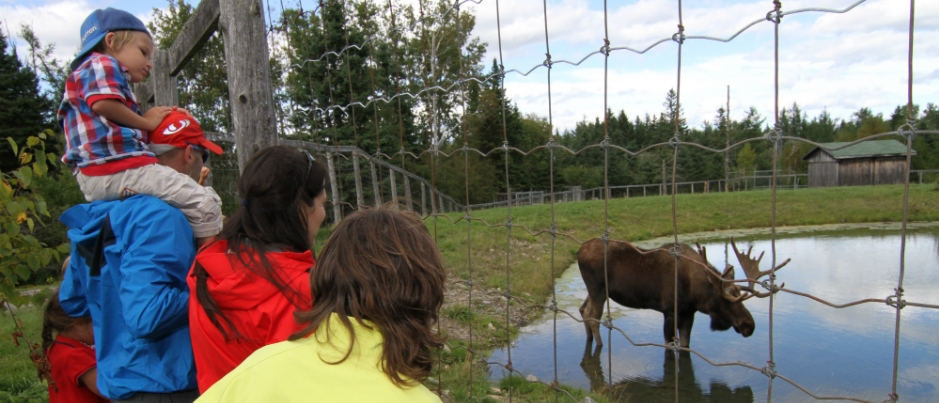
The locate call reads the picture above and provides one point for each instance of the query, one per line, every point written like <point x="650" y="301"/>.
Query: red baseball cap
<point x="179" y="130"/>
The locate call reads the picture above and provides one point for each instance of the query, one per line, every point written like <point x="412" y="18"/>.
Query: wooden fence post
<point x="359" y="198"/>
<point x="423" y="201"/>
<point x="407" y="193"/>
<point x="247" y="59"/>
<point x="165" y="92"/>
<point x="394" y="187"/>
<point x="375" y="189"/>
<point x="337" y="210"/>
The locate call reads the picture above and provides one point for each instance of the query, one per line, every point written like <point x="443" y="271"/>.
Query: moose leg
<point x="669" y="328"/>
<point x="685" y="323"/>
<point x="590" y="311"/>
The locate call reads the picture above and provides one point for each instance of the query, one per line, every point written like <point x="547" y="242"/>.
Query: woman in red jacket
<point x="247" y="284"/>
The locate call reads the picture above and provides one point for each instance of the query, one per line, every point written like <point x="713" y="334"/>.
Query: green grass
<point x="642" y="218"/>
<point x="18" y="380"/>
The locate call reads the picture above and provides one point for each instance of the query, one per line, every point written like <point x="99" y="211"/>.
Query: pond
<point x="830" y="352"/>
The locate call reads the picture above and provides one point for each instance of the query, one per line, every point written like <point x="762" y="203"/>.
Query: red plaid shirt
<point x="91" y="139"/>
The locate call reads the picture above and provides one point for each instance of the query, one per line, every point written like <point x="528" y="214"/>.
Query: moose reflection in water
<point x="663" y="389"/>
<point x="645" y="279"/>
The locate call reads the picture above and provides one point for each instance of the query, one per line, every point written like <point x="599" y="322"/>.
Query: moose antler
<point x="752" y="268"/>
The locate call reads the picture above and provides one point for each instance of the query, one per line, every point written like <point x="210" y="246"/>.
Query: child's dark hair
<point x="276" y="184"/>
<point x="381" y="266"/>
<point x="54" y="319"/>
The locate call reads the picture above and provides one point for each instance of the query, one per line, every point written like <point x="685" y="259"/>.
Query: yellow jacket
<point x="295" y="371"/>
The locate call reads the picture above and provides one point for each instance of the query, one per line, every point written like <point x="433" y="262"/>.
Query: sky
<point x="827" y="62"/>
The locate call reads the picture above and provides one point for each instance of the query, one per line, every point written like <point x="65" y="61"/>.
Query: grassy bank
<point x="480" y="248"/>
<point x="636" y="219"/>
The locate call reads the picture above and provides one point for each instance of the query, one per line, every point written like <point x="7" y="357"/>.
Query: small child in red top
<point x="74" y="369"/>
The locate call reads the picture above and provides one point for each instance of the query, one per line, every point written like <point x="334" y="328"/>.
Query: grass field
<point x="481" y="247"/>
<point x="637" y="219"/>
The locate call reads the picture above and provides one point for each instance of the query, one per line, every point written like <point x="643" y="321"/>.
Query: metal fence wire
<point x="434" y="203"/>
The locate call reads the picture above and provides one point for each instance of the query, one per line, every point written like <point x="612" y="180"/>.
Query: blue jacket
<point x="139" y="301"/>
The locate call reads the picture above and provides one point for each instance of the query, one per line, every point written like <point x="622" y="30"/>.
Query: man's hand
<point x="154" y="116"/>
<point x="204" y="175"/>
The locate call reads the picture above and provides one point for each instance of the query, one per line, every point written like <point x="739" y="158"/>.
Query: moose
<point x="645" y="279"/>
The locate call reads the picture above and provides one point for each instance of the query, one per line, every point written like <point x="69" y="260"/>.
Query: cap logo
<point x="173" y="128"/>
<point x="89" y="32"/>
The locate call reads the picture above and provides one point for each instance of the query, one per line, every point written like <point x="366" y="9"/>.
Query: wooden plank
<point x="144" y="94"/>
<point x="195" y="33"/>
<point x="337" y="211"/>
<point x="165" y="92"/>
<point x="376" y="191"/>
<point x="247" y="59"/>
<point x="394" y="188"/>
<point x="359" y="197"/>
<point x="409" y="202"/>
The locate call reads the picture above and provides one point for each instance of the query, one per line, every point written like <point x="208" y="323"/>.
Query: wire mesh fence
<point x="389" y="179"/>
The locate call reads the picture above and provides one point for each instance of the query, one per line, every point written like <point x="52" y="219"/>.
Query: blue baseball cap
<point x="99" y="23"/>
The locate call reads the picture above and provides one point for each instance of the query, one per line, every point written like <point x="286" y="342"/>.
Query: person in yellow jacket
<point x="377" y="290"/>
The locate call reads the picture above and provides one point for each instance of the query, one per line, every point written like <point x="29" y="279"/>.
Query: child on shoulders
<point x="106" y="135"/>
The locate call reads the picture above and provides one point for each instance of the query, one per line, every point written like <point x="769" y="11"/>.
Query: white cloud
<point x="55" y="22"/>
<point x="838" y="62"/>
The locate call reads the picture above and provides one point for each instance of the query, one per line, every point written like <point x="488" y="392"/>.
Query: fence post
<point x="407" y="193"/>
<point x="337" y="210"/>
<point x="394" y="187"/>
<point x="359" y="198"/>
<point x="375" y="189"/>
<point x="165" y="92"/>
<point x="423" y="200"/>
<point x="244" y="32"/>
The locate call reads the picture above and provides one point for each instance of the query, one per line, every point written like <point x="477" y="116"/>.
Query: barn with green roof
<point x="875" y="162"/>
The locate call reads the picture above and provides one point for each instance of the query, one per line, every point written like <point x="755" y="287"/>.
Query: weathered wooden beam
<point x="165" y="92"/>
<point x="359" y="197"/>
<point x="376" y="190"/>
<point x="244" y="33"/>
<point x="337" y="210"/>
<point x="195" y="33"/>
<point x="144" y="94"/>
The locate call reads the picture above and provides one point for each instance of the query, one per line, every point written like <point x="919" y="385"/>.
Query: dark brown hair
<point x="277" y="183"/>
<point x="54" y="319"/>
<point x="381" y="266"/>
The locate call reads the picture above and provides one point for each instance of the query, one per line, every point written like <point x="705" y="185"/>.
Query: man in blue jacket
<point x="128" y="269"/>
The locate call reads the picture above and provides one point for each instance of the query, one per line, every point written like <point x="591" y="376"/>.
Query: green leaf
<point x="12" y="227"/>
<point x="14" y="209"/>
<point x="25" y="175"/>
<point x="8" y="291"/>
<point x="30" y="224"/>
<point x="23" y="271"/>
<point x="32" y="141"/>
<point x="16" y="150"/>
<point x="33" y="262"/>
<point x="42" y="134"/>
<point x="7" y="273"/>
<point x="41" y="207"/>
<point x="64" y="248"/>
<point x="46" y="256"/>
<point x="31" y="240"/>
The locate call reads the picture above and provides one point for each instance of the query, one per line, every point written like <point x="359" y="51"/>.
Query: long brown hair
<point x="381" y="266"/>
<point x="277" y="183"/>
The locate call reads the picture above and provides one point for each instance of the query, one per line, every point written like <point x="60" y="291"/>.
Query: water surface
<point x="830" y="352"/>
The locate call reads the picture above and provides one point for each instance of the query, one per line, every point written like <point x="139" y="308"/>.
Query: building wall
<point x="825" y="171"/>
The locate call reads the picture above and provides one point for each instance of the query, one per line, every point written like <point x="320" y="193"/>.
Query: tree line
<point x="333" y="57"/>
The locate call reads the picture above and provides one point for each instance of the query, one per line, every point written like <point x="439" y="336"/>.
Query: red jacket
<point x="259" y="311"/>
